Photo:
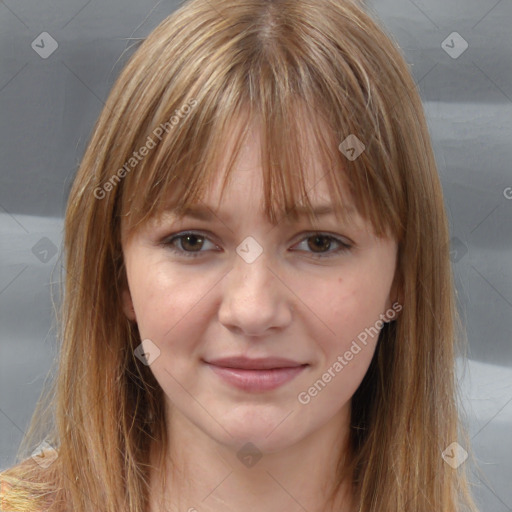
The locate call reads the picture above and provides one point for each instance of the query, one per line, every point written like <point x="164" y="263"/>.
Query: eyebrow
<point x="205" y="213"/>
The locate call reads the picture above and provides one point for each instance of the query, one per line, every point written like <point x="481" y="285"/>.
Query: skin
<point x="286" y="303"/>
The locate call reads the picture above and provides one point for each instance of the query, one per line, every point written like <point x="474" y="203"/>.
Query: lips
<point x="245" y="363"/>
<point x="256" y="375"/>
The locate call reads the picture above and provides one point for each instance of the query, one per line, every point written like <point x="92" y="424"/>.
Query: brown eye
<point x="320" y="245"/>
<point x="186" y="244"/>
<point x="319" y="241"/>
<point x="190" y="242"/>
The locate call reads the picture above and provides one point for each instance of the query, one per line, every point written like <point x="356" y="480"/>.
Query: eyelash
<point x="169" y="241"/>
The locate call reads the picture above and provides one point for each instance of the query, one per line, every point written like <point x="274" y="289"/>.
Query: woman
<point x="222" y="346"/>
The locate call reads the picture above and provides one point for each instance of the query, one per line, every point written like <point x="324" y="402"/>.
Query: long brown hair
<point x="314" y="73"/>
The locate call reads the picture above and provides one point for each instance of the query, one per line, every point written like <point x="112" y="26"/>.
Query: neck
<point x="206" y="476"/>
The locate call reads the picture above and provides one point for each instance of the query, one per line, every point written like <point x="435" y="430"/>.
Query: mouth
<point x="256" y="375"/>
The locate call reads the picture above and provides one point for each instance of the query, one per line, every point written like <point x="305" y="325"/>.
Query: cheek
<point x="165" y="302"/>
<point x="352" y="321"/>
<point x="347" y="349"/>
<point x="355" y="303"/>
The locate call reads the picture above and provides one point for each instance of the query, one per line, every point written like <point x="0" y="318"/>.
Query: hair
<point x="310" y="73"/>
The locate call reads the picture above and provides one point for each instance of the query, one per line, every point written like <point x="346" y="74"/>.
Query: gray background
<point x="49" y="106"/>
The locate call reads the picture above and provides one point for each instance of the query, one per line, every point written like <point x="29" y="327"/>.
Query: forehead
<point x="243" y="187"/>
<point x="208" y="212"/>
<point x="249" y="168"/>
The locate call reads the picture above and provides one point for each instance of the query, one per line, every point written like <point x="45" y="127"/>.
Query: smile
<point x="257" y="380"/>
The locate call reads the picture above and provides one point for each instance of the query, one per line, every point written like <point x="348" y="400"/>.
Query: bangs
<point x="307" y="118"/>
<point x="294" y="142"/>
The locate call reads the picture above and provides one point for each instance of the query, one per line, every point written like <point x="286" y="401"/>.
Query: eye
<point x="325" y="241"/>
<point x="189" y="244"/>
<point x="186" y="241"/>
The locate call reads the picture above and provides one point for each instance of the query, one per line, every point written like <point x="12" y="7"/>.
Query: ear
<point x="395" y="298"/>
<point x="127" y="302"/>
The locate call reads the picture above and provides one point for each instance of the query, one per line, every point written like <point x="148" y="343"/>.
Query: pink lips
<point x="256" y="375"/>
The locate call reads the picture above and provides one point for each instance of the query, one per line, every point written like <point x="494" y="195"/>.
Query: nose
<point x="255" y="299"/>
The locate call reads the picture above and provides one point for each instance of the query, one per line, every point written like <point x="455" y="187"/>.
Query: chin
<point x="267" y="437"/>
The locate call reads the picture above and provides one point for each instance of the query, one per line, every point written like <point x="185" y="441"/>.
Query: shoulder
<point x="17" y="493"/>
<point x="7" y="493"/>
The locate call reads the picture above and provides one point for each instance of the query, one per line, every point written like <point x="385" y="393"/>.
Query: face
<point x="306" y="299"/>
